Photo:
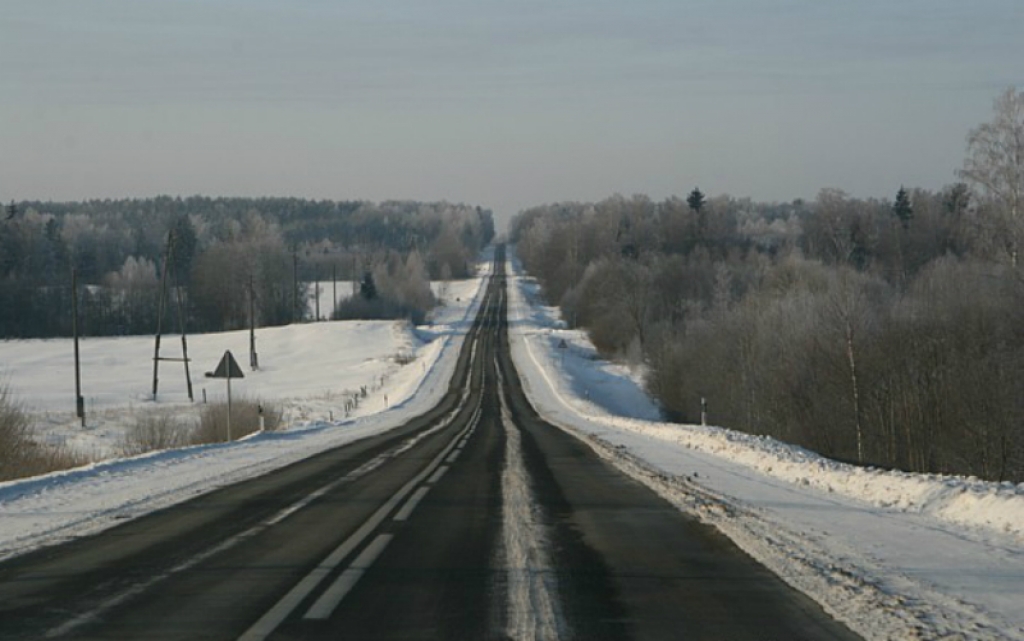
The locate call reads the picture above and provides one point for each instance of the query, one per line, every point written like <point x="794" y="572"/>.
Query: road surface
<point x="475" y="521"/>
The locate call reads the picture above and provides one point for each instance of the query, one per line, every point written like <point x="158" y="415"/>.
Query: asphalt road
<point x="477" y="520"/>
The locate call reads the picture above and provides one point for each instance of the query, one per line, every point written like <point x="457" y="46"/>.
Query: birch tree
<point x="995" y="165"/>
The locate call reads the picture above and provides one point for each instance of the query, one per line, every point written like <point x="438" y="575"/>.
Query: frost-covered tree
<point x="995" y="165"/>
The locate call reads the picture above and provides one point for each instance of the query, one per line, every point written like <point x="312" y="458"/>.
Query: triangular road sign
<point x="227" y="368"/>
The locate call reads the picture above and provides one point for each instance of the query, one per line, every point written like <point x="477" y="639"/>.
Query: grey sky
<point x="500" y="103"/>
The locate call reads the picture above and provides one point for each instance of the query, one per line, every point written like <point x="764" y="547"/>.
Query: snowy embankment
<point x="894" y="555"/>
<point x="308" y="370"/>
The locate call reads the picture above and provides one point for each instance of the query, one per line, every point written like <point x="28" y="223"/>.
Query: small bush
<point x="13" y="422"/>
<point x="159" y="431"/>
<point x="20" y="456"/>
<point x="404" y="358"/>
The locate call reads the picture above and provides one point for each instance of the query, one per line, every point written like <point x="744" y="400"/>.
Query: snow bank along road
<point x="476" y="520"/>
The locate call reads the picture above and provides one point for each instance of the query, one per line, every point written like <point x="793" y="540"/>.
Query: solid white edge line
<point x="411" y="504"/>
<point x="329" y="600"/>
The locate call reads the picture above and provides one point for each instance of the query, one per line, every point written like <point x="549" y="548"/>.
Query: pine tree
<point x="368" y="288"/>
<point x="902" y="208"/>
<point x="695" y="200"/>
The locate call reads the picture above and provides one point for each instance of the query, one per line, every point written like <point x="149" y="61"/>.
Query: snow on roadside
<point x="893" y="555"/>
<point x="326" y="360"/>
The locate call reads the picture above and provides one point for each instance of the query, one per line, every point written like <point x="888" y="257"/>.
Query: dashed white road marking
<point x="330" y="599"/>
<point x="411" y="504"/>
<point x="438" y="474"/>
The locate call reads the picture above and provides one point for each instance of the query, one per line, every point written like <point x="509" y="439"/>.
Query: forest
<point x="222" y="252"/>
<point x="888" y="333"/>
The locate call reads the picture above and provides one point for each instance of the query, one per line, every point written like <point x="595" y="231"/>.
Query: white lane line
<point x="283" y="608"/>
<point x="330" y="599"/>
<point x="438" y="474"/>
<point x="411" y="504"/>
<point x="451" y="459"/>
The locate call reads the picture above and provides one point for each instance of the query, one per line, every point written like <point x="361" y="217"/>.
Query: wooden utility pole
<point x="355" y="278"/>
<point x="160" y="312"/>
<point x="316" y="284"/>
<point x="168" y="257"/>
<point x="184" y="341"/>
<point x="79" y="401"/>
<point x="295" y="286"/>
<point x="254" y="361"/>
<point x="334" y="293"/>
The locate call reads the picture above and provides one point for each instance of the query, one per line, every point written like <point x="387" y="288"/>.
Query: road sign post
<point x="227" y="368"/>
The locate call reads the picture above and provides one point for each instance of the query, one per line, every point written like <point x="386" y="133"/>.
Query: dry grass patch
<point x="169" y="429"/>
<point x="20" y="455"/>
<point x="161" y="430"/>
<point x="245" y="420"/>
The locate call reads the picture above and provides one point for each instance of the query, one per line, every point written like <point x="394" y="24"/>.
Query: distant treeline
<point x="220" y="246"/>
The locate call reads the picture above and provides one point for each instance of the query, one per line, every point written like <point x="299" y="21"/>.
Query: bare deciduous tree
<point x="995" y="164"/>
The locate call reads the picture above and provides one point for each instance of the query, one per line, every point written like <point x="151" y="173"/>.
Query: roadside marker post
<point x="228" y="369"/>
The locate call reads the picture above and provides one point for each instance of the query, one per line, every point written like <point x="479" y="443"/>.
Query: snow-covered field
<point x="897" y="556"/>
<point x="894" y="555"/>
<point x="307" y="370"/>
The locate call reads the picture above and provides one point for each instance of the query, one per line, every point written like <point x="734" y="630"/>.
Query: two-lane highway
<point x="477" y="520"/>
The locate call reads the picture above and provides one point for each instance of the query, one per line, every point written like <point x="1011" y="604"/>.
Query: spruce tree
<point x="902" y="208"/>
<point x="695" y="200"/>
<point x="368" y="288"/>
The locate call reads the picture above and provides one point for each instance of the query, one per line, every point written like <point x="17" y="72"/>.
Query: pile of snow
<point x="966" y="501"/>
<point x="892" y="554"/>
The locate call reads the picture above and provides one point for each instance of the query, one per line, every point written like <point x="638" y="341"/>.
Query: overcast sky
<point x="501" y="103"/>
